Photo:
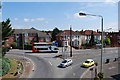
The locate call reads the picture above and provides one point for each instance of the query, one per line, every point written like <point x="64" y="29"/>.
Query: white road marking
<point x="85" y="72"/>
<point x="74" y="74"/>
<point x="111" y="68"/>
<point x="50" y="63"/>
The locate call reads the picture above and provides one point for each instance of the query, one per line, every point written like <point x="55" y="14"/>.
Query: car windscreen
<point x="64" y="61"/>
<point x="87" y="61"/>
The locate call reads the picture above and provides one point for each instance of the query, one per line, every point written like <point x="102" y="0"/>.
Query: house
<point x="78" y="37"/>
<point x="87" y="35"/>
<point x="114" y="38"/>
<point x="64" y="38"/>
<point x="26" y="36"/>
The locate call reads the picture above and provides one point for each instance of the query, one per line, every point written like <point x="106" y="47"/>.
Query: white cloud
<point x="109" y="1"/>
<point x="15" y="19"/>
<point x="113" y="25"/>
<point x="26" y="19"/>
<point x="33" y="19"/>
<point x="40" y="19"/>
<point x="46" y="22"/>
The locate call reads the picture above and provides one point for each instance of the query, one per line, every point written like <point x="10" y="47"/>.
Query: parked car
<point x="88" y="63"/>
<point x="66" y="62"/>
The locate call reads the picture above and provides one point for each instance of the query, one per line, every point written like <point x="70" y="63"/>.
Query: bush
<point x="96" y="78"/>
<point x="4" y="50"/>
<point x="100" y="75"/>
<point x="28" y="46"/>
<point x="107" y="41"/>
<point x="6" y="65"/>
<point x="14" y="45"/>
<point x="86" y="45"/>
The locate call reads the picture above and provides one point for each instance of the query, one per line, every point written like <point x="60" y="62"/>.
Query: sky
<point x="48" y="15"/>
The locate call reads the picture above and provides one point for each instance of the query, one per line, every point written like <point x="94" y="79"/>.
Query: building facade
<point x="78" y="38"/>
<point x="26" y="36"/>
<point x="114" y="38"/>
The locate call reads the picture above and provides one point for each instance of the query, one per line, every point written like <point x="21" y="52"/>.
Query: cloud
<point x="15" y="19"/>
<point x="46" y="22"/>
<point x="40" y="19"/>
<point x="113" y="25"/>
<point x="33" y="19"/>
<point x="26" y="19"/>
<point x="110" y="1"/>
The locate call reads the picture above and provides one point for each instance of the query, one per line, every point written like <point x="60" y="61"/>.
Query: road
<point x="42" y="69"/>
<point x="46" y="65"/>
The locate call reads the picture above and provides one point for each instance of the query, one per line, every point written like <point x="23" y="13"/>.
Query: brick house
<point x="114" y="38"/>
<point x="27" y="35"/>
<point x="87" y="35"/>
<point x="78" y="38"/>
<point x="64" y="38"/>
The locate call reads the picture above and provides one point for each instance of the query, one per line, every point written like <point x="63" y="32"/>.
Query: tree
<point x="92" y="42"/>
<point x="107" y="41"/>
<point x="54" y="33"/>
<point x="6" y="32"/>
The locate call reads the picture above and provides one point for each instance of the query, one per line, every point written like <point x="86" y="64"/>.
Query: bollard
<point x="107" y="60"/>
<point x="115" y="59"/>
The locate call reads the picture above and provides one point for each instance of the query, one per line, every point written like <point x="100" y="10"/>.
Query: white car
<point x="65" y="63"/>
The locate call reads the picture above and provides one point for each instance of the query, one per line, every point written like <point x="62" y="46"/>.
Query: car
<point x="65" y="63"/>
<point x="88" y="63"/>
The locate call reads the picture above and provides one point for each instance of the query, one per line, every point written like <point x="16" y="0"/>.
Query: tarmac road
<point x="46" y="65"/>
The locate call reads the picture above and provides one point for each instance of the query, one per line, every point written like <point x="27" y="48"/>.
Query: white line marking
<point x="85" y="72"/>
<point x="111" y="67"/>
<point x="50" y="63"/>
<point x="74" y="74"/>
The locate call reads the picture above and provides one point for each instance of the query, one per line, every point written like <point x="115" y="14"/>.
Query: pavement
<point x="110" y="70"/>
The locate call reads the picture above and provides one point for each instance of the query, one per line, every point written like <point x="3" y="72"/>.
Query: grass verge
<point x="13" y="72"/>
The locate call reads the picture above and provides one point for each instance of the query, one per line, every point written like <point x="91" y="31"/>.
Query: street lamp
<point x="84" y="14"/>
<point x="70" y="41"/>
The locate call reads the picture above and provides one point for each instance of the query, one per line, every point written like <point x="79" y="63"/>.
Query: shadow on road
<point x="116" y="77"/>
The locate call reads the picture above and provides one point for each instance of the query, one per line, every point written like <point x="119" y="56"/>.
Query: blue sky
<point x="48" y="15"/>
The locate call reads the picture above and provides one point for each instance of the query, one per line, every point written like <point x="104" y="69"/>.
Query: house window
<point x="76" y="36"/>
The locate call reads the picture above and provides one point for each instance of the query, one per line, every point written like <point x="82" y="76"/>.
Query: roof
<point x="88" y="32"/>
<point x="89" y="59"/>
<point x="40" y="34"/>
<point x="65" y="32"/>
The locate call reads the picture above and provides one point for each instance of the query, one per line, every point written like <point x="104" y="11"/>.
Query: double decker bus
<point x="44" y="47"/>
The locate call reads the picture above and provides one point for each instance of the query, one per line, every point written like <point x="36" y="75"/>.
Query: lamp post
<point x="23" y="39"/>
<point x="70" y="41"/>
<point x="84" y="14"/>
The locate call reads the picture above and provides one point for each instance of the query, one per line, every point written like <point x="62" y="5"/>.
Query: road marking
<point x="85" y="72"/>
<point x="74" y="74"/>
<point x="50" y="63"/>
<point x="111" y="68"/>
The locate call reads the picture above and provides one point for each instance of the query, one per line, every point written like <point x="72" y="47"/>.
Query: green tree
<point x="107" y="41"/>
<point x="92" y="42"/>
<point x="54" y="33"/>
<point x="6" y="32"/>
